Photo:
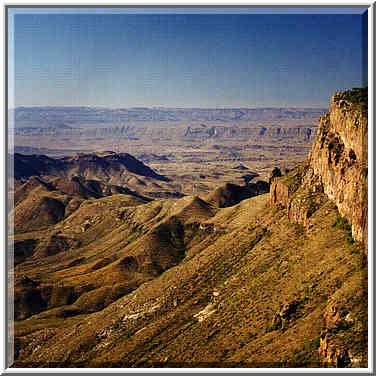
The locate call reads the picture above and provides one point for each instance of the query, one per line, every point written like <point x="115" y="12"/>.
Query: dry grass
<point x="247" y="264"/>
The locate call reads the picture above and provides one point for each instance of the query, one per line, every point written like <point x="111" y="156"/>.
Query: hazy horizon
<point x="151" y="107"/>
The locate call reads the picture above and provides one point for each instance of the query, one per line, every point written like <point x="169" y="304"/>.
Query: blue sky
<point x="99" y="58"/>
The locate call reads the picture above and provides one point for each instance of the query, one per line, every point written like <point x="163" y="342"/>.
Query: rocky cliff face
<point x="339" y="157"/>
<point x="337" y="169"/>
<point x="337" y="166"/>
<point x="300" y="192"/>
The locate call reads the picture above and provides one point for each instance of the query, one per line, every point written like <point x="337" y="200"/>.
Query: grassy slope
<point x="243" y="268"/>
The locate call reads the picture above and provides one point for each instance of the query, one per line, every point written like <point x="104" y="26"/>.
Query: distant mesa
<point x="230" y="131"/>
<point x="61" y="116"/>
<point x="44" y="151"/>
<point x="151" y="157"/>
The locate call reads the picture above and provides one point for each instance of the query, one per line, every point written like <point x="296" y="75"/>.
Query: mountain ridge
<point x="273" y="280"/>
<point x="81" y="164"/>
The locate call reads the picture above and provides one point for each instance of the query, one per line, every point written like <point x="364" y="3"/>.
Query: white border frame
<point x="219" y="4"/>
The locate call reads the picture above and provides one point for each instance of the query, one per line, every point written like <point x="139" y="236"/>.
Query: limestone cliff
<point x="336" y="169"/>
<point x="339" y="157"/>
<point x="337" y="166"/>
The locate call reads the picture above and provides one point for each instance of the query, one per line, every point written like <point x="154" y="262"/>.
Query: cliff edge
<point x="337" y="167"/>
<point x="337" y="170"/>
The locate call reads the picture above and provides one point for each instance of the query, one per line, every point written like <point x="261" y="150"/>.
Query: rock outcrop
<point x="300" y="192"/>
<point x="341" y="336"/>
<point x="337" y="167"/>
<point x="339" y="157"/>
<point x="232" y="194"/>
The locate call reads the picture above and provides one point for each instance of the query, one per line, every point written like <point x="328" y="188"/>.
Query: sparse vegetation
<point x="240" y="265"/>
<point x="307" y="356"/>
<point x="343" y="224"/>
<point x="119" y="279"/>
<point x="357" y="96"/>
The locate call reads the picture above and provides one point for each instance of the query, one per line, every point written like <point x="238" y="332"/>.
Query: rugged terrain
<point x="194" y="147"/>
<point x="233" y="277"/>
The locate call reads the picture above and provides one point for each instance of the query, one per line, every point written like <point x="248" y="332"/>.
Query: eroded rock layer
<point x="337" y="166"/>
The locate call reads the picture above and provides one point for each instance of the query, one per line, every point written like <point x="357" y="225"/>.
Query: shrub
<point x="299" y="228"/>
<point x="342" y="224"/>
<point x="357" y="95"/>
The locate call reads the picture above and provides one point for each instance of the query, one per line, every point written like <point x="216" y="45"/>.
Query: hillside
<point x="234" y="278"/>
<point x="40" y="203"/>
<point x="120" y="172"/>
<point x="101" y="166"/>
